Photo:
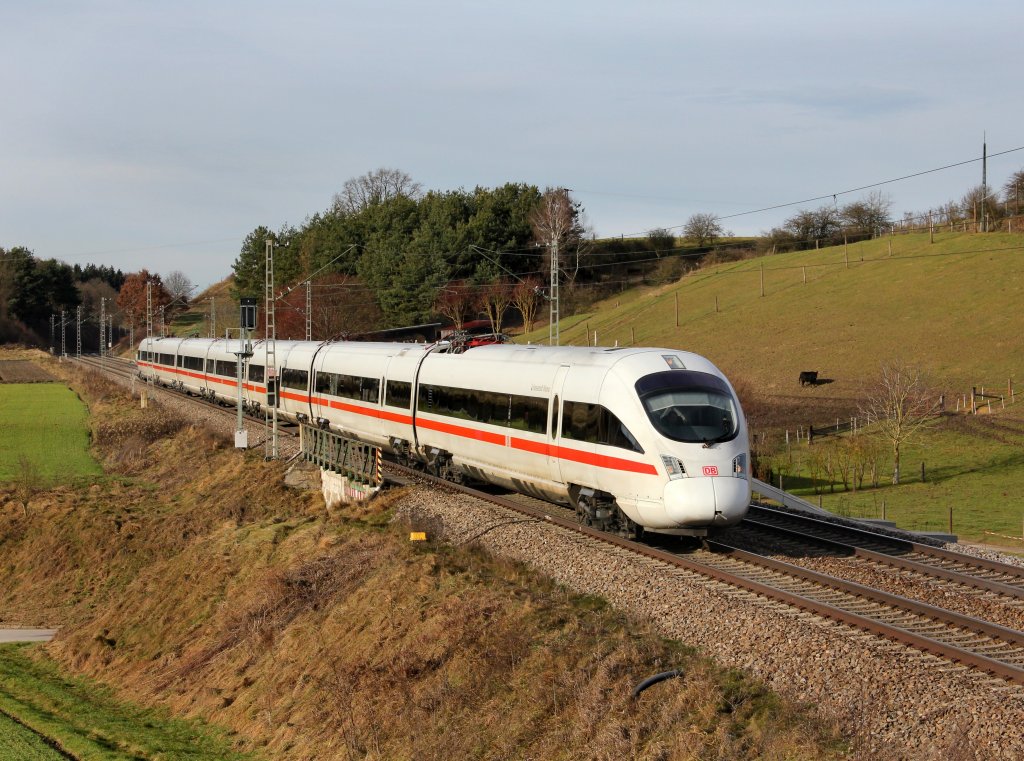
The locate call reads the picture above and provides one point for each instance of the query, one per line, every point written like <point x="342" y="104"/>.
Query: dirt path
<point x="26" y="635"/>
<point x="23" y="371"/>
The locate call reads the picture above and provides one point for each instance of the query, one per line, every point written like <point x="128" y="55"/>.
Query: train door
<point x="554" y="421"/>
<point x="319" y="405"/>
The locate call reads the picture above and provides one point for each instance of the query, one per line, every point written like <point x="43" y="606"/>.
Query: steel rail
<point x="870" y="593"/>
<point x="956" y="558"/>
<point x="895" y="561"/>
<point x="895" y="633"/>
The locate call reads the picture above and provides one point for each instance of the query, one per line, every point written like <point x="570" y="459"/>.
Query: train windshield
<point x="690" y="407"/>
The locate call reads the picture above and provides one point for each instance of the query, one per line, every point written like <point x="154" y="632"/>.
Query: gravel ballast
<point x="895" y="701"/>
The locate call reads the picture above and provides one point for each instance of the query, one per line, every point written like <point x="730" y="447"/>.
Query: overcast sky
<point x="158" y="134"/>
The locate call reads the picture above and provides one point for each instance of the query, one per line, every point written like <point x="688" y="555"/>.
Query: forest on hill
<point x="386" y="253"/>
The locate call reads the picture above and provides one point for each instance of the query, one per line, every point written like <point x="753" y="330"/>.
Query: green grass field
<point x="85" y="719"/>
<point x="45" y="425"/>
<point x="18" y="743"/>
<point x="973" y="465"/>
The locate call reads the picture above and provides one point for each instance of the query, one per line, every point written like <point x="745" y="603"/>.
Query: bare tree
<point x="558" y="221"/>
<point x="977" y="206"/>
<point x="342" y="306"/>
<point x="495" y="299"/>
<point x="179" y="287"/>
<point x="900" y="403"/>
<point x="661" y="241"/>
<point x="372" y="188"/>
<point x="526" y="298"/>
<point x="703" y="228"/>
<point x="1013" y="190"/>
<point x="457" y="302"/>
<point x="868" y="215"/>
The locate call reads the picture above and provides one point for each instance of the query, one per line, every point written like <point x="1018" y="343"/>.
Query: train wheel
<point x="626" y="527"/>
<point x="584" y="510"/>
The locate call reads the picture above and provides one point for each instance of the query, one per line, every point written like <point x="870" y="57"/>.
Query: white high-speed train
<point x="632" y="438"/>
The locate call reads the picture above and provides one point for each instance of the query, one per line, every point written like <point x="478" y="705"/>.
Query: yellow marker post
<point x="418" y="536"/>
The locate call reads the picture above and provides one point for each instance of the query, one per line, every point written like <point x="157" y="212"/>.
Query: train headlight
<point x="674" y="467"/>
<point x="739" y="466"/>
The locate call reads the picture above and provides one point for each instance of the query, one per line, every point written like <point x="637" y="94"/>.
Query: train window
<point x="256" y="373"/>
<point x="166" y="359"/>
<point x="191" y="363"/>
<point x="226" y="368"/>
<point x="325" y="383"/>
<point x="596" y="424"/>
<point x="358" y="387"/>
<point x="528" y="413"/>
<point x="554" y="418"/>
<point x="348" y="386"/>
<point x="525" y="413"/>
<point x="690" y="407"/>
<point x="293" y="378"/>
<point x="398" y="394"/>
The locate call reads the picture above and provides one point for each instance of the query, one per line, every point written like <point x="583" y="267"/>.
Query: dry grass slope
<point x="191" y="578"/>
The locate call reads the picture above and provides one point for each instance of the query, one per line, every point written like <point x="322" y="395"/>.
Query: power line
<point x="865" y="187"/>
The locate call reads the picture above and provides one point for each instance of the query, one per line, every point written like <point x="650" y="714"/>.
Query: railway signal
<point x="247" y="323"/>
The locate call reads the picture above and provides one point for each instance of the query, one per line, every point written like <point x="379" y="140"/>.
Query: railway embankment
<point x="190" y="577"/>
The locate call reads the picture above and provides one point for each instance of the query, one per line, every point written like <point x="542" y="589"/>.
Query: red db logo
<point x="710" y="470"/>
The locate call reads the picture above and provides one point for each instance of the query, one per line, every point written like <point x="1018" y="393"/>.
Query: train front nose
<point x="708" y="501"/>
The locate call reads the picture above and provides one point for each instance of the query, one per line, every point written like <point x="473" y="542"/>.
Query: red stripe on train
<point x="587" y="458"/>
<point x="200" y="376"/>
<point x="526" y="445"/>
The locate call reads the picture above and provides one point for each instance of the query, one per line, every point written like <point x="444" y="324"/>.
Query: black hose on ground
<point x="652" y="680"/>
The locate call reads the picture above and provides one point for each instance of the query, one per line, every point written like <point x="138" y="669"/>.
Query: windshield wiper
<point x="718" y="439"/>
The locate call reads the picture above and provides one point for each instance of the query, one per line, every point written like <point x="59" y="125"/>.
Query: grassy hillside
<point x="196" y="319"/>
<point x="951" y="307"/>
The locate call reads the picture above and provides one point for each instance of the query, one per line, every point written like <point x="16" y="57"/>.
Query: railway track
<point x="970" y="642"/>
<point x="963" y="640"/>
<point x="980" y="573"/>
